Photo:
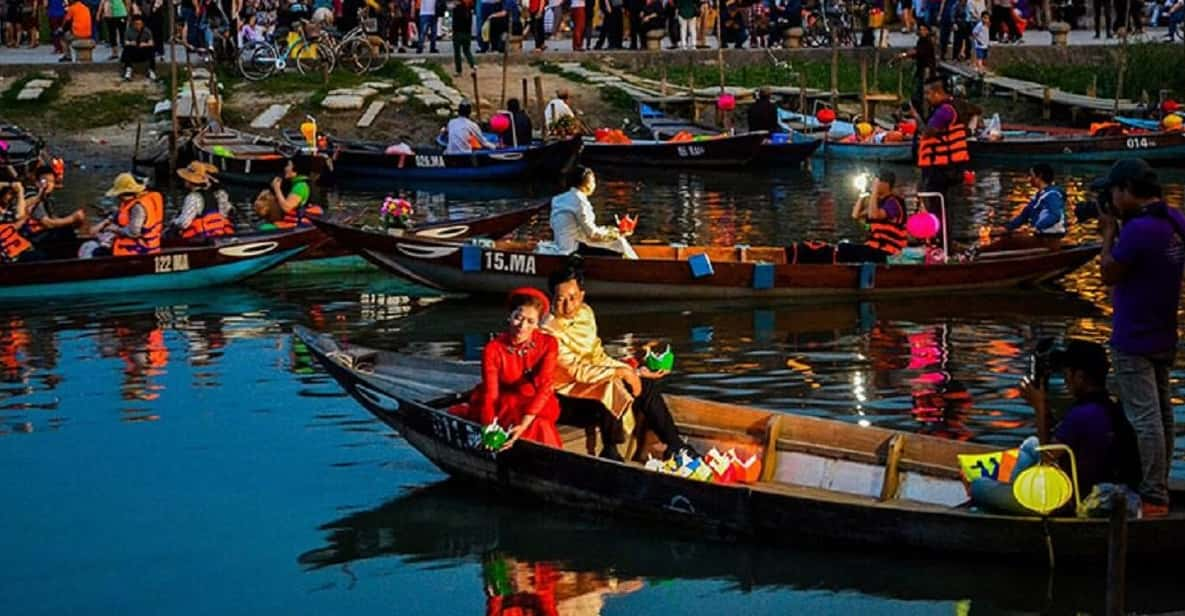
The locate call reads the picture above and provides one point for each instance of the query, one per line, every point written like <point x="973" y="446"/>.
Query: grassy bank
<point x="1150" y="68"/>
<point x="75" y="113"/>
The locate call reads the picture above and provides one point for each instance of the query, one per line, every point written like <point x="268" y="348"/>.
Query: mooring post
<point x="476" y="99"/>
<point x="1117" y="556"/>
<point x="540" y="103"/>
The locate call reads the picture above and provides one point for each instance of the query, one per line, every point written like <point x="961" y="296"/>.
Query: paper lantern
<point x="1169" y="106"/>
<point x="907" y="127"/>
<point x="923" y="225"/>
<point x="969" y="177"/>
<point x="726" y="102"/>
<point x="864" y="129"/>
<point x="1042" y="488"/>
<point x="1172" y="122"/>
<point x="660" y="363"/>
<point x="500" y="123"/>
<point x="308" y="129"/>
<point x="826" y="116"/>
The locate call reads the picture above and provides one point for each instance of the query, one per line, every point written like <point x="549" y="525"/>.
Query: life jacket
<point x="947" y="147"/>
<point x="149" y="240"/>
<point x="210" y="223"/>
<point x="12" y="243"/>
<point x="888" y="235"/>
<point x="300" y="217"/>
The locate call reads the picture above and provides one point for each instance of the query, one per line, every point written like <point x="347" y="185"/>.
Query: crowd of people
<point x="417" y="25"/>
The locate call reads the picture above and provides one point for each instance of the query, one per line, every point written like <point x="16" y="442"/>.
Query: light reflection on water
<point x="209" y="384"/>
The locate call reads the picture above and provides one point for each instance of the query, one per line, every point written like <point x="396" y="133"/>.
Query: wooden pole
<point x="802" y="94"/>
<point x="193" y="104"/>
<point x="834" y="73"/>
<point x="1093" y="89"/>
<point x="900" y="82"/>
<point x="1122" y="68"/>
<point x="174" y="137"/>
<point x="719" y="45"/>
<point x="540" y="103"/>
<point x="664" y="79"/>
<point x="1117" y="556"/>
<point x="1046" y="103"/>
<point x="691" y="88"/>
<point x="505" y="56"/>
<point x="136" y="148"/>
<point x="476" y="100"/>
<point x="525" y="95"/>
<point x="864" y="88"/>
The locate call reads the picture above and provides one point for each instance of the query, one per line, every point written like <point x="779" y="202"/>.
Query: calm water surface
<point x="179" y="454"/>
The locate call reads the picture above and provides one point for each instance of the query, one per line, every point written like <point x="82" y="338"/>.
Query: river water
<point x="180" y="454"/>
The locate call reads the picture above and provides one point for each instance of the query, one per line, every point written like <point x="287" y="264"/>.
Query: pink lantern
<point x="969" y="177"/>
<point x="923" y="225"/>
<point x="726" y="102"/>
<point x="500" y="123"/>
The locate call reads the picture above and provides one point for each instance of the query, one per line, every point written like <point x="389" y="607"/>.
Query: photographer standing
<point x="1143" y="257"/>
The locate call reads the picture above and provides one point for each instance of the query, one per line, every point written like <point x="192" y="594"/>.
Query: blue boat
<point x="378" y="161"/>
<point x="223" y="262"/>
<point x="1166" y="147"/>
<point x="777" y="150"/>
<point x="901" y="152"/>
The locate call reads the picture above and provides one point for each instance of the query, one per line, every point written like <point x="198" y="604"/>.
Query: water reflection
<point x="452" y="524"/>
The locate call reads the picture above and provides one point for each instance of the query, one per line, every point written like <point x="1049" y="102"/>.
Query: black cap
<point x="887" y="176"/>
<point x="1082" y="355"/>
<point x="1126" y="171"/>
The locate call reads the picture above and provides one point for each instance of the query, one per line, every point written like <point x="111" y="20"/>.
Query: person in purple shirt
<point x="1143" y="257"/>
<point x="1093" y="427"/>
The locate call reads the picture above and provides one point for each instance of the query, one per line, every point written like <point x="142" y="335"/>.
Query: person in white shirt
<point x="461" y="129"/>
<point x="556" y="109"/>
<point x="427" y="25"/>
<point x="574" y="225"/>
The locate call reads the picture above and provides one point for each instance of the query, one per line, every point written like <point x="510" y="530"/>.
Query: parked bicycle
<point x="311" y="49"/>
<point x="362" y="49"/>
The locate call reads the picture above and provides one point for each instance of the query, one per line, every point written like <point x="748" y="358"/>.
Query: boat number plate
<point x="428" y="160"/>
<point x="1139" y="143"/>
<point x="509" y="262"/>
<point x="690" y="151"/>
<point x="171" y="263"/>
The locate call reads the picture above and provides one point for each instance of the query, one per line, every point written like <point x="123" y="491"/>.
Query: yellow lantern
<point x="1172" y="122"/>
<point x="864" y="129"/>
<point x="308" y="129"/>
<point x="1044" y="488"/>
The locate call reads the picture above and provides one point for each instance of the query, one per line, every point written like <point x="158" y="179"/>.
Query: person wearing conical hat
<point x="136" y="226"/>
<point x="200" y="218"/>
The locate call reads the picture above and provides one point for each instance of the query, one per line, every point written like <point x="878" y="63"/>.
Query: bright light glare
<point x="860" y="182"/>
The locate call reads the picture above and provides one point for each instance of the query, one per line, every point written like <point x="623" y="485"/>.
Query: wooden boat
<point x="1026" y="146"/>
<point x="20" y="152"/>
<point x="899" y="152"/>
<point x="244" y="158"/>
<point x="664" y="272"/>
<point x="378" y="161"/>
<point x="822" y="482"/>
<point x="222" y="262"/>
<point x="721" y="151"/>
<point x="778" y="150"/>
<point x="326" y="255"/>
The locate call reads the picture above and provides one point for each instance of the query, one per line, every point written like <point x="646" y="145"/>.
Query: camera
<point x="1093" y="208"/>
<point x="1041" y="362"/>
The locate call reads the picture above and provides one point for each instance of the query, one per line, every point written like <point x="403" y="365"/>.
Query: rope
<point x="1048" y="543"/>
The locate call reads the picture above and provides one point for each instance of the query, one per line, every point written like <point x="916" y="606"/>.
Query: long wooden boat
<point x="664" y="272"/>
<point x="822" y="482"/>
<point x="899" y="152"/>
<point x="1027" y="146"/>
<point x="326" y="255"/>
<point x="20" y="152"/>
<point x="376" y="161"/>
<point x="725" y="151"/>
<point x="777" y="151"/>
<point x="222" y="262"/>
<point x="244" y="158"/>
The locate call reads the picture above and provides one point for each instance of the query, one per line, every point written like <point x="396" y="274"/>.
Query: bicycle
<point x="362" y="49"/>
<point x="311" y="50"/>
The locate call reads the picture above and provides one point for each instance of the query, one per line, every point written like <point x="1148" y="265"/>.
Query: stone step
<point x="270" y="116"/>
<point x="372" y="112"/>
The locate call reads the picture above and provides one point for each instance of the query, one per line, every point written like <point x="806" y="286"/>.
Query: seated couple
<point x="537" y="375"/>
<point x="1094" y="428"/>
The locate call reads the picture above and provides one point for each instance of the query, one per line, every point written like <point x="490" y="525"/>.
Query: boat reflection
<point x="450" y="521"/>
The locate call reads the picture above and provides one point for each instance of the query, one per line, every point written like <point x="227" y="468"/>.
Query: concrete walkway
<point x="45" y="55"/>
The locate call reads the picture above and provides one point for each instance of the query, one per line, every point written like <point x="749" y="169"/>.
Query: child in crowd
<point x="981" y="36"/>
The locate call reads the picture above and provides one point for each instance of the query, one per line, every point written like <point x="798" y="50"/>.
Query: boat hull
<point x="790" y="154"/>
<point x="1162" y="147"/>
<point x="475" y="269"/>
<point x="172" y="269"/>
<point x="718" y="152"/>
<point x="369" y="161"/>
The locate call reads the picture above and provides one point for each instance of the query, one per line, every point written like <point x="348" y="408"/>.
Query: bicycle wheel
<point x="313" y="58"/>
<point x="357" y="55"/>
<point x="382" y="55"/>
<point x="257" y="61"/>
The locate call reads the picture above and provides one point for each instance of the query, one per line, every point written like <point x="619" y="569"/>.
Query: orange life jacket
<point x="947" y="147"/>
<point x="12" y="243"/>
<point x="299" y="217"/>
<point x="888" y="235"/>
<point x="32" y="227"/>
<point x="210" y="223"/>
<point x="149" y="240"/>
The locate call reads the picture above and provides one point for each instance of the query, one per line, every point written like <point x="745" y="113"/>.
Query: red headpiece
<point x="535" y="293"/>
